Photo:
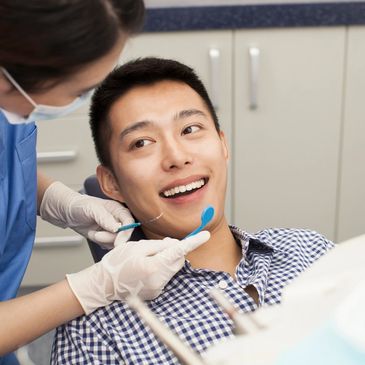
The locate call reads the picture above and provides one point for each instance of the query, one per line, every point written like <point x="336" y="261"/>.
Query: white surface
<point x="352" y="195"/>
<point x="285" y="152"/>
<point x="335" y="281"/>
<point x="179" y="3"/>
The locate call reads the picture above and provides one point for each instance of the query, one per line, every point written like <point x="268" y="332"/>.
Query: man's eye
<point x="140" y="143"/>
<point x="191" y="129"/>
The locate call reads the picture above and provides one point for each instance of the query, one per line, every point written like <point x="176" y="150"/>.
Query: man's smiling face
<point x="167" y="156"/>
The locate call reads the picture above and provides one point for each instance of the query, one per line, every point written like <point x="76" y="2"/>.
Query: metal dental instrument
<point x="185" y="354"/>
<point x="137" y="224"/>
<point x="243" y="324"/>
<point x="206" y="216"/>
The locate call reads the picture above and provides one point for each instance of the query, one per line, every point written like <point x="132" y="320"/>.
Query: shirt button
<point x="222" y="284"/>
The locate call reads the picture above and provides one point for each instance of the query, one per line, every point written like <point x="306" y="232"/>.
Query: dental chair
<point x="92" y="188"/>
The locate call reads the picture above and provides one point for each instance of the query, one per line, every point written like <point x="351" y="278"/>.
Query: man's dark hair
<point x="43" y="41"/>
<point x="139" y="72"/>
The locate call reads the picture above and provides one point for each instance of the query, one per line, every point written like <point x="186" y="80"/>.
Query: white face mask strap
<point x="19" y="88"/>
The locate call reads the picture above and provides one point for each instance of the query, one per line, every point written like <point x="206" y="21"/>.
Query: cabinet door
<point x="209" y="54"/>
<point x="286" y="150"/>
<point x="351" y="220"/>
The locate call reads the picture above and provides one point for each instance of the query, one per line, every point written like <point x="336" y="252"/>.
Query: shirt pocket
<point x="26" y="150"/>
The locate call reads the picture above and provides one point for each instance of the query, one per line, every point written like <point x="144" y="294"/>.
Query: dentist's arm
<point x="94" y="218"/>
<point x="142" y="267"/>
<point x="25" y="318"/>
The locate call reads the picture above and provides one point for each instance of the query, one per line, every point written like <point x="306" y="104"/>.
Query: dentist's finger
<point x="122" y="214"/>
<point x="149" y="248"/>
<point x="191" y="243"/>
<point x="175" y="253"/>
<point x="103" y="218"/>
<point x="102" y="238"/>
<point x="122" y="237"/>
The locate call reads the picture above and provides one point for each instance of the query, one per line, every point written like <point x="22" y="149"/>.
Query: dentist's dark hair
<point x="139" y="72"/>
<point x="48" y="40"/>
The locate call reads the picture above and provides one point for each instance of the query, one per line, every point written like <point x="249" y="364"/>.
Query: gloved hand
<point x="142" y="267"/>
<point x="95" y="218"/>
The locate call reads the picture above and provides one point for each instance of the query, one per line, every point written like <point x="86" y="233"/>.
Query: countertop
<point x="194" y="3"/>
<point x="184" y="15"/>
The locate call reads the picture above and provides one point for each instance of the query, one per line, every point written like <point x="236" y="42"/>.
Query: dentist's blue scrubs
<point x="18" y="206"/>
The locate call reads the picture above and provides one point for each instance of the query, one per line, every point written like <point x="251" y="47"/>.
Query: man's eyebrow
<point x="188" y="113"/>
<point x="134" y="127"/>
<point x="145" y="123"/>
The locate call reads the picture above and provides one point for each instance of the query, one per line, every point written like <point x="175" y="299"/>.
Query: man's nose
<point x="176" y="155"/>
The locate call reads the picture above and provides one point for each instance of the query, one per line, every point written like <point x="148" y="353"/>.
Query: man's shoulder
<point x="286" y="240"/>
<point x="303" y="244"/>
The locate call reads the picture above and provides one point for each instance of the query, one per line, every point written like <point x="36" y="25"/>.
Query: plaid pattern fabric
<point x="116" y="335"/>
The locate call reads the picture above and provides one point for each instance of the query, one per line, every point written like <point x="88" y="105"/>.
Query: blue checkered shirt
<point x="116" y="335"/>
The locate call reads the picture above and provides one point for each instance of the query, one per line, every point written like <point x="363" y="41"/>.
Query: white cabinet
<point x="286" y="151"/>
<point x="65" y="152"/>
<point x="351" y="218"/>
<point x="56" y="252"/>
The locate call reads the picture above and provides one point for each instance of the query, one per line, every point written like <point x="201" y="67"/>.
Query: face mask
<point x="46" y="112"/>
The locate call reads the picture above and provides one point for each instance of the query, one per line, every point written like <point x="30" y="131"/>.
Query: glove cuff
<point x="88" y="287"/>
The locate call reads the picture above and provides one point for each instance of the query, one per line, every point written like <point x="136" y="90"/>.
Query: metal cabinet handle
<point x="214" y="58"/>
<point x="56" y="156"/>
<point x="58" y="241"/>
<point x="254" y="55"/>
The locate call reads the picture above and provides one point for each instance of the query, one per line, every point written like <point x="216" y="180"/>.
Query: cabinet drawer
<point x="65" y="149"/>
<point x="56" y="252"/>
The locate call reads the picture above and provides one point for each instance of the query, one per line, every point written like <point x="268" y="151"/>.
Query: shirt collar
<point x="12" y="117"/>
<point x="248" y="242"/>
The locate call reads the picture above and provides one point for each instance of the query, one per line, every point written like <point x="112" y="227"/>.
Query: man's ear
<point x="108" y="183"/>
<point x="224" y="144"/>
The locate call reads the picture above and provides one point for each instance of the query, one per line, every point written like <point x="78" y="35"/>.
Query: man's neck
<point x="220" y="253"/>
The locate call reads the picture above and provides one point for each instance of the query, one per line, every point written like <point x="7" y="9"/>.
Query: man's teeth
<point x="183" y="188"/>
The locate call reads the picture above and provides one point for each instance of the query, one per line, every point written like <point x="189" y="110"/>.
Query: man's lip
<point x="184" y="181"/>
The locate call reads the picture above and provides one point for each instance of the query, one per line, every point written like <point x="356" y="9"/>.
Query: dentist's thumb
<point x="193" y="242"/>
<point x="174" y="255"/>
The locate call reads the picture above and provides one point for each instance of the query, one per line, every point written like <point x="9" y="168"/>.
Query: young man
<point x="161" y="151"/>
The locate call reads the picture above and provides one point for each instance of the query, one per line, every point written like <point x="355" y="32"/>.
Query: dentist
<point x="52" y="55"/>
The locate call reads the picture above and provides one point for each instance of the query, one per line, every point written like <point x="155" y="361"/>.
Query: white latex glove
<point x="142" y="267"/>
<point x="94" y="218"/>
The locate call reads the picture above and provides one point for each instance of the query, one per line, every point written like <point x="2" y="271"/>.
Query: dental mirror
<point x="206" y="216"/>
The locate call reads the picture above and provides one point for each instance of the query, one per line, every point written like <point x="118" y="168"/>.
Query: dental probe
<point x="184" y="353"/>
<point x="137" y="224"/>
<point x="244" y="324"/>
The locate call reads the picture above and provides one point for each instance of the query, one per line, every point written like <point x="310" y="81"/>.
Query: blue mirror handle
<point x="197" y="230"/>
<point x="128" y="226"/>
